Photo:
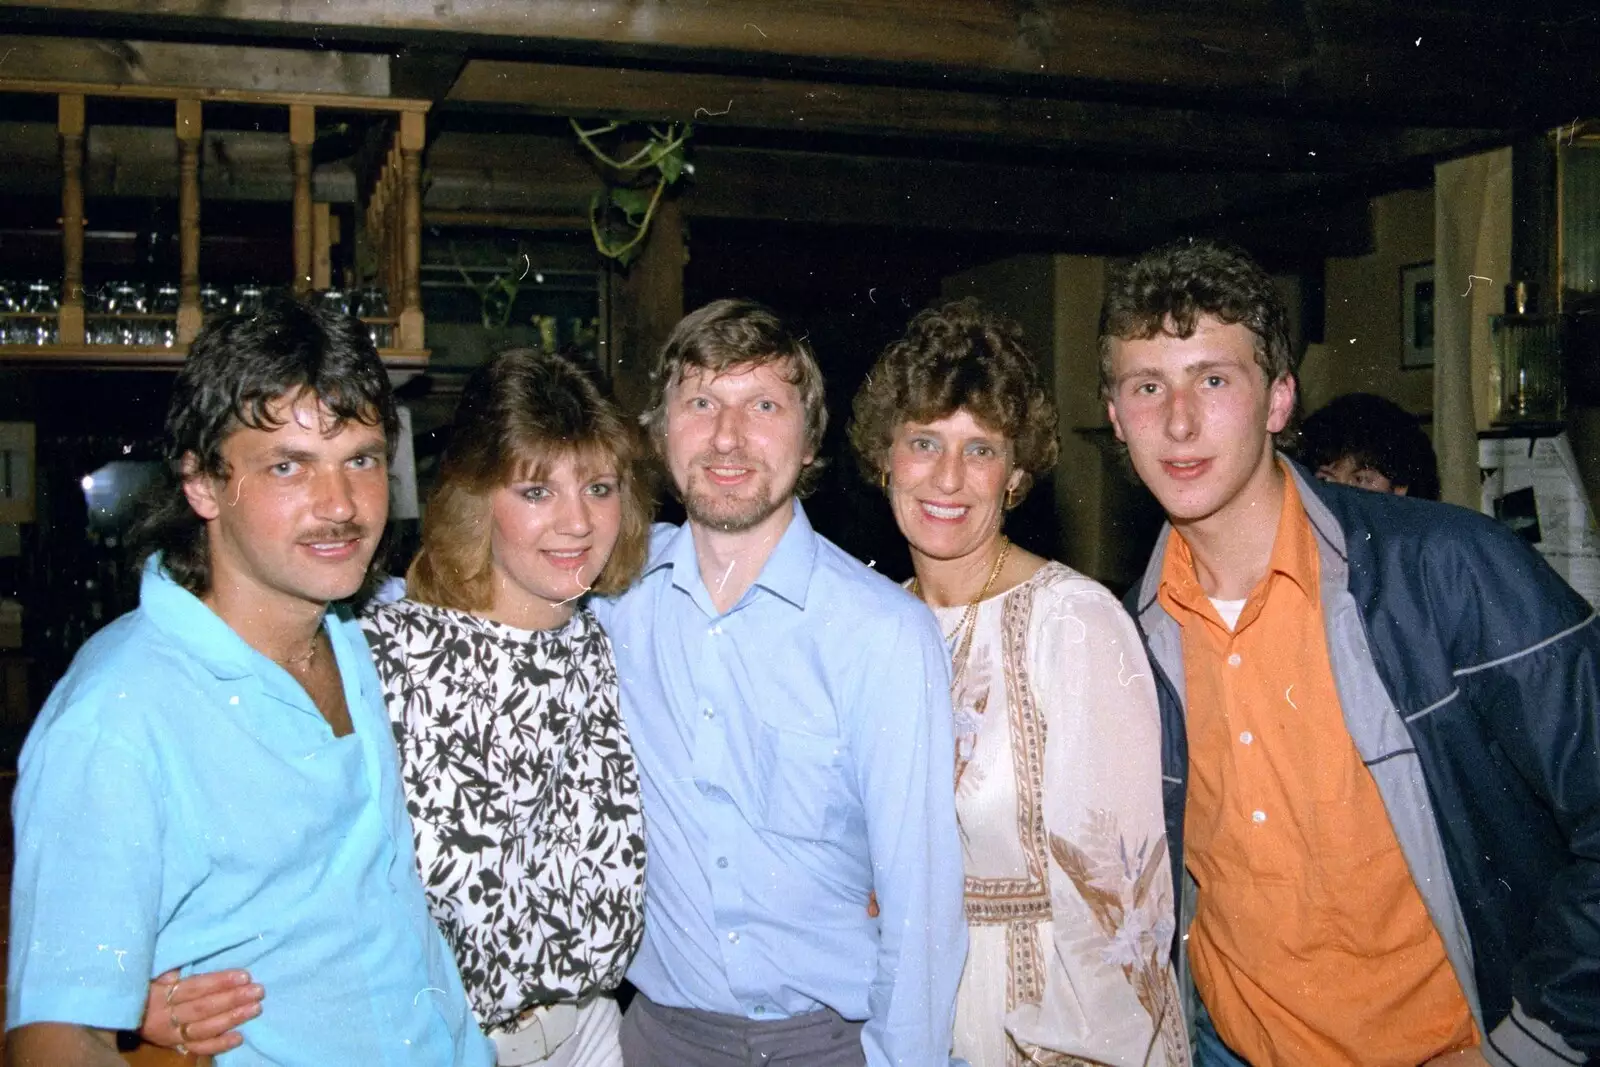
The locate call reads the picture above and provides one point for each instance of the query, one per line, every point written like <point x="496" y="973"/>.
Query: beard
<point x="734" y="512"/>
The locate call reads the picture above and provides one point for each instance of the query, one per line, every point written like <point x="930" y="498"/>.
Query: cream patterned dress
<point x="1058" y="792"/>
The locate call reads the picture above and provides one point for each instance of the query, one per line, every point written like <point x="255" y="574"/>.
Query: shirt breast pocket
<point x="805" y="792"/>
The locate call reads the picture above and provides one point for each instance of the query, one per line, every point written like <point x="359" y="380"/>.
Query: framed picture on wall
<point x="1416" y="316"/>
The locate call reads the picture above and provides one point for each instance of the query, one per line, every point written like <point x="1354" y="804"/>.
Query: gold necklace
<point x="293" y="663"/>
<point x="968" y="626"/>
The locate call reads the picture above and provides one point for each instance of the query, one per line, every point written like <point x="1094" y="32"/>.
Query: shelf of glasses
<point x="158" y="356"/>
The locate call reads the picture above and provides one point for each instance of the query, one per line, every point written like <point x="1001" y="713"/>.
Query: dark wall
<point x="852" y="290"/>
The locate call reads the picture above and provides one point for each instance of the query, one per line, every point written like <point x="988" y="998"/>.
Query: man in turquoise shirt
<point x="214" y="783"/>
<point x="789" y="711"/>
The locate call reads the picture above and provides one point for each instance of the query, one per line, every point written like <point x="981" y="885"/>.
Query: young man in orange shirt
<point x="1380" y="730"/>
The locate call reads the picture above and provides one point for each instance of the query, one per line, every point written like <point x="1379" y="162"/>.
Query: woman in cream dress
<point x="1069" y="889"/>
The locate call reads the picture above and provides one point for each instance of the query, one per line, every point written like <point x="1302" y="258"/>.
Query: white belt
<point x="535" y="1034"/>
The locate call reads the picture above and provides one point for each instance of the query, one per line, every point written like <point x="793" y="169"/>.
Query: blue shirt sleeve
<point x="86" y="890"/>
<point x="905" y="764"/>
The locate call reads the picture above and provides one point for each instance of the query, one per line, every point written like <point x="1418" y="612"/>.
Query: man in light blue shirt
<point x="789" y="710"/>
<point x="214" y="784"/>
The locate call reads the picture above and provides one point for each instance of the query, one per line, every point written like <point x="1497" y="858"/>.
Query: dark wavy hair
<point x="728" y="334"/>
<point x="957" y="356"/>
<point x="238" y="368"/>
<point x="1169" y="289"/>
<point x="1377" y="433"/>
<point x="519" y="413"/>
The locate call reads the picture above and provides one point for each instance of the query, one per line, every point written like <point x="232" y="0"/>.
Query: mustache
<point x="344" y="531"/>
<point x="729" y="459"/>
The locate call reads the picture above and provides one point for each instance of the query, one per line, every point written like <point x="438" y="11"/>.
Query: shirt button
<point x="761" y="1009"/>
<point x="722" y="861"/>
<point x="708" y="713"/>
<point x="1258" y="816"/>
<point x="733" y="936"/>
<point x="1235" y="659"/>
<point x="1246" y="737"/>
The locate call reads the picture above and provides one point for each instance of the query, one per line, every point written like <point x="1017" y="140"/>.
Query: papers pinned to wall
<point x="1531" y="484"/>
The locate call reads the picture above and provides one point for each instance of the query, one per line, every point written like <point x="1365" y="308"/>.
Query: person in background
<point x="502" y="687"/>
<point x="1380" y="718"/>
<point x="1057" y="775"/>
<point x="214" y="781"/>
<point x="1372" y="443"/>
<point x="789" y="709"/>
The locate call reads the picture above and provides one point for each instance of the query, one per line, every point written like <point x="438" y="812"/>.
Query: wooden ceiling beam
<point x="544" y="182"/>
<point x="1057" y="207"/>
<point x="1131" y="133"/>
<point x="1061" y="207"/>
<point x="1428" y="62"/>
<point x="138" y="62"/>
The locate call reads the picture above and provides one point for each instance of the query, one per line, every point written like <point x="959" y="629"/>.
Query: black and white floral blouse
<point x="523" y="796"/>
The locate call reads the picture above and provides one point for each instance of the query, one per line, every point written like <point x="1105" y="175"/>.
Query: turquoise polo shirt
<point x="181" y="802"/>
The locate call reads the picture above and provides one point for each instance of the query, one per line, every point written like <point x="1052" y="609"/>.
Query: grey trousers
<point x="654" y="1036"/>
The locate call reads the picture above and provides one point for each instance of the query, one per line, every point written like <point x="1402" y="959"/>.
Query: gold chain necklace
<point x="304" y="660"/>
<point x="968" y="626"/>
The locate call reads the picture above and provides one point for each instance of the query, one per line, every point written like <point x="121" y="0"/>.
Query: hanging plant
<point x="498" y="285"/>
<point x="633" y="192"/>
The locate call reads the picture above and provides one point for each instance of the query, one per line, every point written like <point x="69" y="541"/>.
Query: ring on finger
<point x="183" y="1033"/>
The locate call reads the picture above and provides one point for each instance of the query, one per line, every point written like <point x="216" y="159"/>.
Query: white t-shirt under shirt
<point x="1229" y="610"/>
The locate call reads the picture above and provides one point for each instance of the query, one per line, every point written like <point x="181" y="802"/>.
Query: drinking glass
<point x="247" y="299"/>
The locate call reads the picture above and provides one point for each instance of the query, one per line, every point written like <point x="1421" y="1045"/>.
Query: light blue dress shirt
<point x="181" y="802"/>
<point x="795" y="754"/>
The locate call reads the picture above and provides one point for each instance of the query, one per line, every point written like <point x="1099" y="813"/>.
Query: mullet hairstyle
<point x="238" y="368"/>
<point x="520" y="413"/>
<point x="957" y="356"/>
<point x="1170" y="289"/>
<point x="731" y="335"/>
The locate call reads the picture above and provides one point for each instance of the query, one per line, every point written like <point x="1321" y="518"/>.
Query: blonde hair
<point x="520" y="413"/>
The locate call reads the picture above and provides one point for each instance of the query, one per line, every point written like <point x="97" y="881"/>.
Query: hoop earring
<point x="1009" y="502"/>
<point x="883" y="480"/>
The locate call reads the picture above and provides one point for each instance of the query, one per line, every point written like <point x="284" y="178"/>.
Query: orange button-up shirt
<point x="1311" y="944"/>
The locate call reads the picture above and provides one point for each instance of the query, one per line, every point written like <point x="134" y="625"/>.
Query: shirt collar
<point x="786" y="574"/>
<point x="190" y="623"/>
<point x="1294" y="548"/>
<point x="1294" y="553"/>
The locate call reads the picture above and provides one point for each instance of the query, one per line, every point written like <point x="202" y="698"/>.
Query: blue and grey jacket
<point x="1469" y="675"/>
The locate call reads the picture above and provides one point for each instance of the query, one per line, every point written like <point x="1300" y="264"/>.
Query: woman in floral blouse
<point x="1057" y="776"/>
<point x="502" y="689"/>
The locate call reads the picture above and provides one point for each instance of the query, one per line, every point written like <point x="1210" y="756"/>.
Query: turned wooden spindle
<point x="189" y="133"/>
<point x="70" y="121"/>
<point x="412" y="136"/>
<point x="302" y="134"/>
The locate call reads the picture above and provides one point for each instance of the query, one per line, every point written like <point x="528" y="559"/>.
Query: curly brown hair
<point x="519" y="413"/>
<point x="1169" y="289"/>
<point x="957" y="356"/>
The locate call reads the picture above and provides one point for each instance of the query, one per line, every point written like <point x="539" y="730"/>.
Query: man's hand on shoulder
<point x="1469" y="1057"/>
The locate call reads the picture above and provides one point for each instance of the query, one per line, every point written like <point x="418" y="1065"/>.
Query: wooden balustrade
<point x="393" y="221"/>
